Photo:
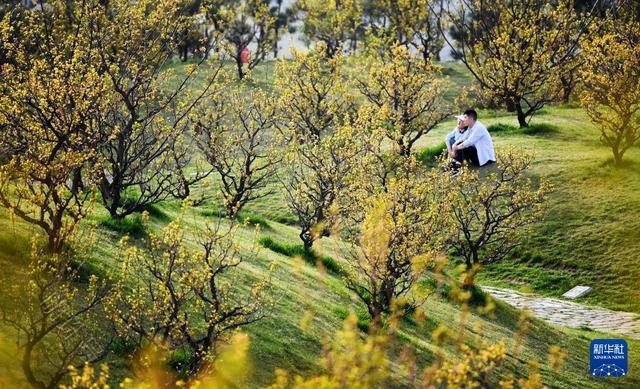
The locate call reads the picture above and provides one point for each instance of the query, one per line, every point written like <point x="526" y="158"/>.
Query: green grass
<point x="131" y="225"/>
<point x="298" y="250"/>
<point x="242" y="217"/>
<point x="591" y="232"/>
<point x="590" y="236"/>
<point x="429" y="155"/>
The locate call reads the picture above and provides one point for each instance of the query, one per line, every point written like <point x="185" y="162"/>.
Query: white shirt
<point x="480" y="138"/>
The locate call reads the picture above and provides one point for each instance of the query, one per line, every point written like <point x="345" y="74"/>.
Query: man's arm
<point x="472" y="139"/>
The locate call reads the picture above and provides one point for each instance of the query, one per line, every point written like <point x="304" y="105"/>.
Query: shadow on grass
<point x="243" y="217"/>
<point x="532" y="129"/>
<point x="131" y="225"/>
<point x="298" y="250"/>
<point x="14" y="246"/>
<point x="157" y="213"/>
<point x="625" y="165"/>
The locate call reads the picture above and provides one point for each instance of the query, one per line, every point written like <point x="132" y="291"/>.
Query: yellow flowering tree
<point x="87" y="378"/>
<point x="234" y="130"/>
<point x="321" y="144"/>
<point x="182" y="298"/>
<point x="410" y="23"/>
<point x="611" y="76"/>
<point x="492" y="213"/>
<point x="58" y="324"/>
<point x="151" y="102"/>
<point x="245" y="25"/>
<point x="51" y="93"/>
<point x="517" y="51"/>
<point x="407" y="95"/>
<point x="349" y="362"/>
<point x="332" y="22"/>
<point x="400" y="236"/>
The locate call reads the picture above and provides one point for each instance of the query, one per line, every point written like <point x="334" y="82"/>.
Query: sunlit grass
<point x="591" y="235"/>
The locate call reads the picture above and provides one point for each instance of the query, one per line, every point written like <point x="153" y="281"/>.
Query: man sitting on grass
<point x="476" y="146"/>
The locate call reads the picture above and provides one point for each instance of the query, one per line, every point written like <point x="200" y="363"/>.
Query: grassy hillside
<point x="590" y="236"/>
<point x="279" y="340"/>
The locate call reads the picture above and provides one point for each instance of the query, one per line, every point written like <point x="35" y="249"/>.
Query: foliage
<point x="518" y="51"/>
<point x="349" y="362"/>
<point x="471" y="370"/>
<point x="51" y="93"/>
<point x="182" y="297"/>
<point x="399" y="239"/>
<point x="320" y="143"/>
<point x="406" y="95"/>
<point x="58" y="324"/>
<point x="234" y="130"/>
<point x="87" y="379"/>
<point x="148" y="152"/>
<point x="410" y="23"/>
<point x="246" y="24"/>
<point x="492" y="213"/>
<point x="332" y="22"/>
<point x="611" y="76"/>
<point x="150" y="370"/>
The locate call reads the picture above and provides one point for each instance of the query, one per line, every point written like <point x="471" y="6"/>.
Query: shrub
<point x="131" y="225"/>
<point x="179" y="358"/>
<point x="289" y="220"/>
<point x="298" y="250"/>
<point x="500" y="127"/>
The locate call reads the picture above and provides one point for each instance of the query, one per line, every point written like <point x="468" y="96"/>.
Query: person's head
<point x="471" y="117"/>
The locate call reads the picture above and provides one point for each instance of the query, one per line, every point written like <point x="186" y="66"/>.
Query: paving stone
<point x="577" y="291"/>
<point x="571" y="314"/>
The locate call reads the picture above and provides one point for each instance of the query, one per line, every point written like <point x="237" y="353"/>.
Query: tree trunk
<point x="467" y="261"/>
<point x="617" y="156"/>
<point x="510" y="105"/>
<point x="567" y="88"/>
<point x="239" y="66"/>
<point x="26" y="368"/>
<point x="275" y="45"/>
<point x="232" y="209"/>
<point x="472" y="259"/>
<point x="522" y="118"/>
<point x="55" y="242"/>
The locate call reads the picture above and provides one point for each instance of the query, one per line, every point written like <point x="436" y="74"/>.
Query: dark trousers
<point x="468" y="154"/>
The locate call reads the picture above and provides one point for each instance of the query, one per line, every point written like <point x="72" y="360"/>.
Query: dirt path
<point x="571" y="314"/>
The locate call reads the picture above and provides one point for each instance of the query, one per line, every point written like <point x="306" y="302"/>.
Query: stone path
<point x="571" y="314"/>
